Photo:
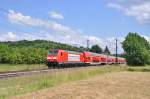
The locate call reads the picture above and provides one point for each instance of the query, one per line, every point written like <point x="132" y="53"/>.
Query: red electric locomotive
<point x="61" y="57"/>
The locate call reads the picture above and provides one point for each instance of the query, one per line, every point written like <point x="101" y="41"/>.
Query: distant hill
<point x="40" y="44"/>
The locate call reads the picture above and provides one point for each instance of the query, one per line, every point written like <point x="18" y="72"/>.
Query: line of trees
<point x="14" y="55"/>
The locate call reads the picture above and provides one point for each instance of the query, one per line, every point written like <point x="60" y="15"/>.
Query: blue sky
<point x="74" y="21"/>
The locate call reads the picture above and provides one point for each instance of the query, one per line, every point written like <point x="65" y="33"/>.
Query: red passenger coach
<point x="61" y="57"/>
<point x="103" y="59"/>
<point x="87" y="57"/>
<point x="95" y="58"/>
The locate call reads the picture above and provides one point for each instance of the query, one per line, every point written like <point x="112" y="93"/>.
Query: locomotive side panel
<point x="73" y="58"/>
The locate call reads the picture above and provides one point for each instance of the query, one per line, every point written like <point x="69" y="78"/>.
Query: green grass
<point x="22" y="85"/>
<point x="10" y="67"/>
<point x="139" y="69"/>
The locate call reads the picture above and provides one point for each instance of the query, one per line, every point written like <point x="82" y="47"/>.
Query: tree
<point x="96" y="49"/>
<point x="4" y="52"/>
<point x="106" y="51"/>
<point x="137" y="49"/>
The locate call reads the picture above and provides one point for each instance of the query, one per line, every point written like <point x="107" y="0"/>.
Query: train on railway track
<point x="58" y="57"/>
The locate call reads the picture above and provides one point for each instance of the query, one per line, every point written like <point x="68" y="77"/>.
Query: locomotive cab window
<point x="53" y="52"/>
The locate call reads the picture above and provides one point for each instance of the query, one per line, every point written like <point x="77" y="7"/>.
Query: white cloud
<point x="59" y="32"/>
<point x="56" y="28"/>
<point x="139" y="9"/>
<point x="19" y="18"/>
<point x="140" y="12"/>
<point x="55" y="15"/>
<point x="9" y="36"/>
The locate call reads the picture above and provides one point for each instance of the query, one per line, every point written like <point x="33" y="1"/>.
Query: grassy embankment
<point x="17" y="86"/>
<point x="10" y="67"/>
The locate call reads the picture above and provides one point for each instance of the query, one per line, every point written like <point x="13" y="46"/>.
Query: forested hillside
<point x="39" y="44"/>
<point x="29" y="52"/>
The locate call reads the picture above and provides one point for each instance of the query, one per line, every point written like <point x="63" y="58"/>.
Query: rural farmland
<point x="74" y="49"/>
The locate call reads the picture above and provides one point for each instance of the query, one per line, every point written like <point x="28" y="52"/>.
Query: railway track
<point x="33" y="72"/>
<point x="19" y="73"/>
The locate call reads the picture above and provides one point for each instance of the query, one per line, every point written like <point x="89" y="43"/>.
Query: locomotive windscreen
<point x="53" y="52"/>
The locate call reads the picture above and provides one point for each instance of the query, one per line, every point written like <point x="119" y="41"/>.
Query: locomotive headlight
<point x="54" y="58"/>
<point x="51" y="58"/>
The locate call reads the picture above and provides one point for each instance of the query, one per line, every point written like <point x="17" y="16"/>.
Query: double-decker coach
<point x="94" y="58"/>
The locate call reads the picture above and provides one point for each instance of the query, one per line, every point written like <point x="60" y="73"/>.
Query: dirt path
<point x="123" y="85"/>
